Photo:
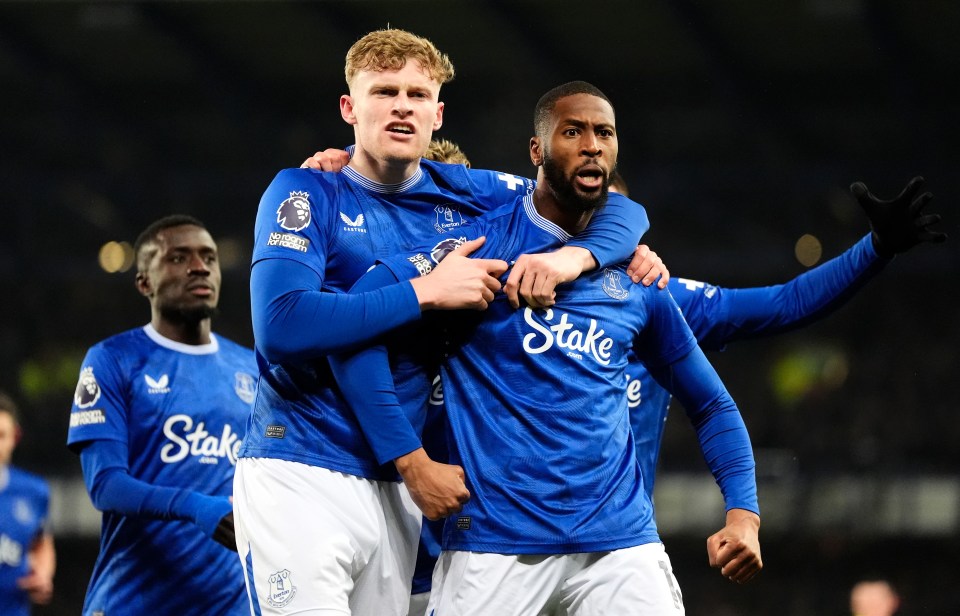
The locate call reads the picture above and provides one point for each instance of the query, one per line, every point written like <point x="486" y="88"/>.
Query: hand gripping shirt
<point x="181" y="410"/>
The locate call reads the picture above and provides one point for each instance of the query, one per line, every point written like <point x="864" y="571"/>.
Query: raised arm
<point x="720" y="315"/>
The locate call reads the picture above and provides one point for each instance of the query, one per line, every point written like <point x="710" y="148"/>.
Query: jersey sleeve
<point x="719" y="315"/>
<point x="294" y="318"/>
<point x="367" y="384"/>
<point x="721" y="432"/>
<point x="292" y="218"/>
<point x="99" y="409"/>
<point x="111" y="488"/>
<point x="669" y="350"/>
<point x="364" y="375"/>
<point x="614" y="231"/>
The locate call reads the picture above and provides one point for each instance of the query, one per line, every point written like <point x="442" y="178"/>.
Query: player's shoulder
<point x="302" y="174"/>
<point x="28" y="482"/>
<point x="309" y="184"/>
<point x="122" y="342"/>
<point x="480" y="180"/>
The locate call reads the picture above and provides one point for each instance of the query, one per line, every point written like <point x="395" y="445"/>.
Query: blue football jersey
<point x="538" y="396"/>
<point x="338" y="224"/>
<point x="24" y="501"/>
<point x="181" y="410"/>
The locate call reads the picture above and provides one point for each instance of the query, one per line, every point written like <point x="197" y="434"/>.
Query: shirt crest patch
<point x="294" y="212"/>
<point x="613" y="284"/>
<point x="88" y="390"/>
<point x="245" y="386"/>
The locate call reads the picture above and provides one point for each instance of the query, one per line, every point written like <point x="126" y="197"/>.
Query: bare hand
<point x="438" y="489"/>
<point x="38" y="587"/>
<point x="535" y="277"/>
<point x="330" y="159"/>
<point x="459" y="281"/>
<point x="646" y="266"/>
<point x="735" y="549"/>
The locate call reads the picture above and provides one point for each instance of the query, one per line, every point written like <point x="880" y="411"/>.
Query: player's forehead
<point x="584" y="109"/>
<point x="411" y="75"/>
<point x="184" y="238"/>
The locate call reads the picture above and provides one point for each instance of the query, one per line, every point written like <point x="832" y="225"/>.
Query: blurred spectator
<point x="27" y="557"/>
<point x="873" y="598"/>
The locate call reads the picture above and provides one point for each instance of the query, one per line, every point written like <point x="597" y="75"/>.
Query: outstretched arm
<point x="720" y="315"/>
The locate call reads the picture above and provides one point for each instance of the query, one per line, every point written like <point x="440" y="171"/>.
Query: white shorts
<point x="637" y="581"/>
<point x="312" y="540"/>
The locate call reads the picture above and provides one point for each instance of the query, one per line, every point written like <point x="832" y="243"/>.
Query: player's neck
<point x="185" y="333"/>
<point x="380" y="171"/>
<point x="549" y="206"/>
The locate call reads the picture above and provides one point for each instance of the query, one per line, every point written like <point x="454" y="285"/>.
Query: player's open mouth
<point x="590" y="177"/>
<point x="400" y="129"/>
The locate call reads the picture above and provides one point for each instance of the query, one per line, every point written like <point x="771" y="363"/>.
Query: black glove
<point x="224" y="533"/>
<point x="899" y="224"/>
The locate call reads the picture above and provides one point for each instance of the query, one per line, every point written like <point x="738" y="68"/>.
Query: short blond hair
<point x="389" y="50"/>
<point x="446" y="151"/>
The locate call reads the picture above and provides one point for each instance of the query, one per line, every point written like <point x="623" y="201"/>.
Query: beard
<point x="188" y="315"/>
<point x="564" y="187"/>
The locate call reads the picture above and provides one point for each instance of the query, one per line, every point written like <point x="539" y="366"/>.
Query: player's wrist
<point x="743" y="516"/>
<point x="408" y="462"/>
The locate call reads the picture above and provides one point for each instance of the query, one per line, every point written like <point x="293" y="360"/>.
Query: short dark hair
<point x="149" y="235"/>
<point x="541" y="113"/>
<point x="7" y="405"/>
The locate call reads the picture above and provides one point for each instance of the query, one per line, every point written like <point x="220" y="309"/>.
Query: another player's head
<point x="873" y="598"/>
<point x="575" y="144"/>
<point x="394" y="79"/>
<point x="445" y="151"/>
<point x="9" y="428"/>
<point x="178" y="270"/>
<point x="618" y="184"/>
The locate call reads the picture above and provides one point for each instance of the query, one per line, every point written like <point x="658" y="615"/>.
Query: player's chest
<point x="176" y="388"/>
<point x="374" y="227"/>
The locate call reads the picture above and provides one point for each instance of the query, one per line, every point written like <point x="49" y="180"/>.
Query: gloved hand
<point x="225" y="534"/>
<point x="899" y="224"/>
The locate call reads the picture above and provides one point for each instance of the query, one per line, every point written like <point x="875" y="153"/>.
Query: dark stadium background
<point x="741" y="125"/>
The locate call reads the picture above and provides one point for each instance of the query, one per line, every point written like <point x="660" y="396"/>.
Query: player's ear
<point x="438" y="122"/>
<point x="536" y="151"/>
<point x="346" y="109"/>
<point x="142" y="282"/>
